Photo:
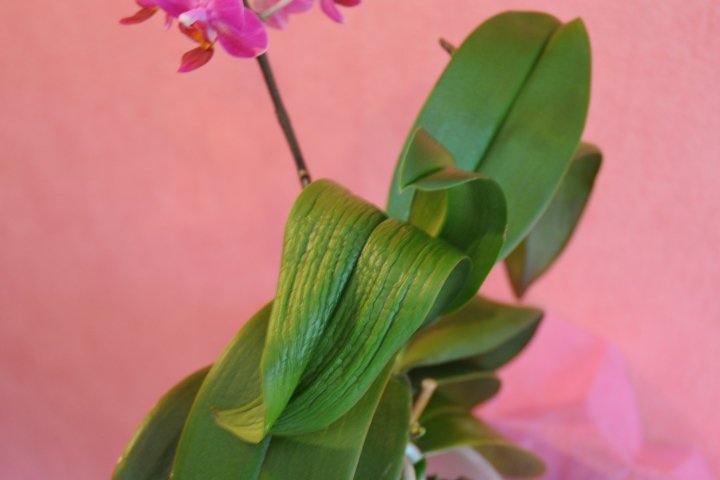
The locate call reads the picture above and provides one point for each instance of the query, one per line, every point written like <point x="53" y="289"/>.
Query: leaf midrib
<point x="512" y="104"/>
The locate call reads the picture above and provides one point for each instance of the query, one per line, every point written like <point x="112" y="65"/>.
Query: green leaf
<point x="400" y="278"/>
<point x="449" y="426"/>
<point x="324" y="236"/>
<point x="332" y="453"/>
<point x="483" y="330"/>
<point x="421" y="469"/>
<point x="550" y="235"/>
<point x="502" y="354"/>
<point x="511" y="105"/>
<point x="424" y="156"/>
<point x="150" y="453"/>
<point x="384" y="448"/>
<point x="461" y="382"/>
<point x="206" y="450"/>
<point x="463" y="208"/>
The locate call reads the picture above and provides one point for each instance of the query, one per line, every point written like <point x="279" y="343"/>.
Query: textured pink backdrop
<point x="142" y="210"/>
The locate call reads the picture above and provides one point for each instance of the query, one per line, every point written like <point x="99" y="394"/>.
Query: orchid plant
<point x="376" y="348"/>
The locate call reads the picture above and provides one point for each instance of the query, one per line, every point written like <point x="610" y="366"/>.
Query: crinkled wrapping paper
<point x="568" y="398"/>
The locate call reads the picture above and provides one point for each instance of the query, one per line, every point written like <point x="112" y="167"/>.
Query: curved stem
<point x="284" y="120"/>
<point x="282" y="115"/>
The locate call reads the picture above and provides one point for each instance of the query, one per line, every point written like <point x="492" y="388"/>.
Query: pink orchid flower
<point x="275" y="12"/>
<point x="238" y="29"/>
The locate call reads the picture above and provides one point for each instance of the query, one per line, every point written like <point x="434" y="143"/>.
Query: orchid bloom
<point x="238" y="29"/>
<point x="275" y="12"/>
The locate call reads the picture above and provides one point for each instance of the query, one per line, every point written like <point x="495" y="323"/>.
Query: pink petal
<point x="296" y="6"/>
<point x="175" y="8"/>
<point x="278" y="20"/>
<point x="328" y="6"/>
<point x="260" y="5"/>
<point x="331" y="10"/>
<point x="189" y="17"/>
<point x="227" y="11"/>
<point x="241" y="37"/>
<point x="140" y="16"/>
<point x="195" y="58"/>
<point x="147" y="3"/>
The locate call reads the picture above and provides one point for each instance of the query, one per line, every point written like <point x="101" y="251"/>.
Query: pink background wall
<point x="142" y="210"/>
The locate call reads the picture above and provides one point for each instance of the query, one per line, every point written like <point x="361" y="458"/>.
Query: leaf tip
<point x="244" y="423"/>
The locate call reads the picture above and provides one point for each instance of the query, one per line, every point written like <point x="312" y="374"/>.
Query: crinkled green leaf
<point x="463" y="208"/>
<point x="481" y="328"/>
<point x="149" y="455"/>
<point x="547" y="239"/>
<point x="384" y="448"/>
<point x="450" y="426"/>
<point x="511" y="105"/>
<point x="400" y="278"/>
<point x="325" y="233"/>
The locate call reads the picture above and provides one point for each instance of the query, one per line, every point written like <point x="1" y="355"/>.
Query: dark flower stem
<point x="284" y="119"/>
<point x="447" y="46"/>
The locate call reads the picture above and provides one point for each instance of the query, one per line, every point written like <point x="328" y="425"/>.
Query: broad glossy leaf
<point x="332" y="453"/>
<point x="471" y="392"/>
<point x="462" y="382"/>
<point x="448" y="426"/>
<point x="502" y="354"/>
<point x="547" y="239"/>
<point x="511" y="105"/>
<point x="463" y="208"/>
<point x="401" y="277"/>
<point x="482" y="327"/>
<point x="384" y="448"/>
<point x="149" y="455"/>
<point x="424" y="156"/>
<point x="206" y="450"/>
